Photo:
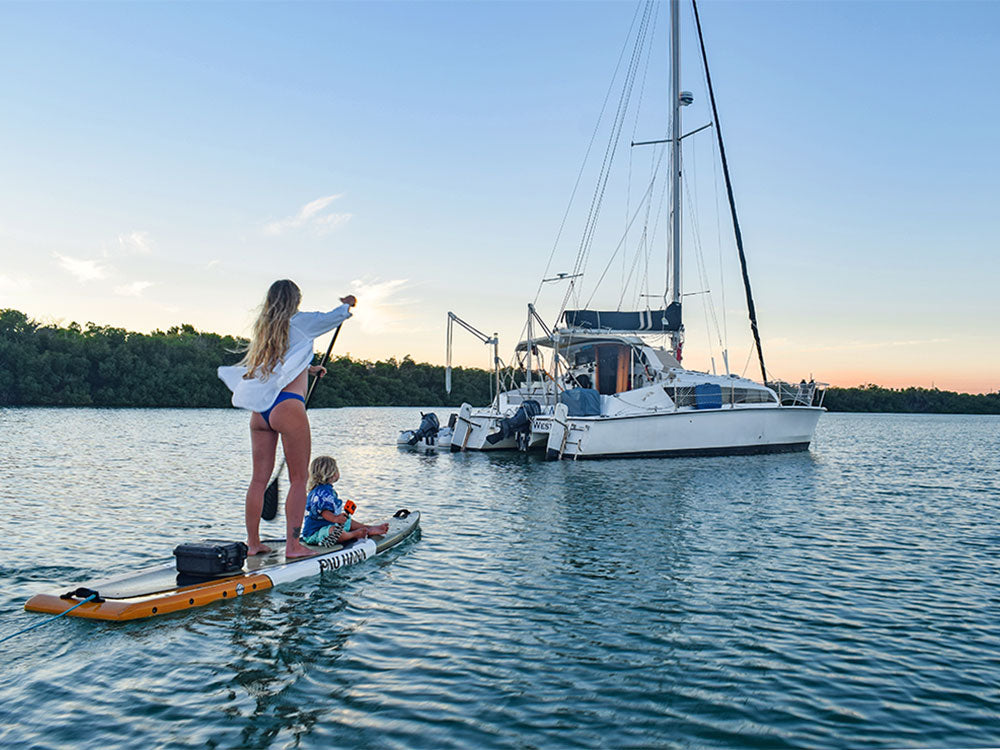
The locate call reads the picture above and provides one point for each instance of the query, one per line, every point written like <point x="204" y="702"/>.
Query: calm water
<point x="845" y="597"/>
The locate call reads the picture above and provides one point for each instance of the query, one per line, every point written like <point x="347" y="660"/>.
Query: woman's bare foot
<point x="257" y="549"/>
<point x="294" y="549"/>
<point x="378" y="530"/>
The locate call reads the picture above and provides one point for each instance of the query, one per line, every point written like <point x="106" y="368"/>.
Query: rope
<point x="642" y="203"/>
<point x="646" y="243"/>
<point x="43" y="622"/>
<point x="628" y="182"/>
<point x="702" y="270"/>
<point x="597" y="199"/>
<point x="586" y="156"/>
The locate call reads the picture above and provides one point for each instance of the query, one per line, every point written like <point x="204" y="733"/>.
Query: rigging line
<point x="718" y="242"/>
<point x="654" y="166"/>
<point x="707" y="305"/>
<point x="612" y="143"/>
<point x="718" y="220"/>
<point x="635" y="130"/>
<point x="642" y="245"/>
<point x="653" y="235"/>
<point x="618" y="247"/>
<point x="628" y="205"/>
<point x="656" y="225"/>
<point x="586" y="156"/>
<point x="747" y="363"/>
<point x="700" y="258"/>
<point x="591" y="231"/>
<point x="596" y="202"/>
<point x="649" y="189"/>
<point x="732" y="202"/>
<point x="647" y="237"/>
<point x="632" y="269"/>
<point x="615" y="139"/>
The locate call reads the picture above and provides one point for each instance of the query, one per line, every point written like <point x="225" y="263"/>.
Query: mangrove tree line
<point x="92" y="365"/>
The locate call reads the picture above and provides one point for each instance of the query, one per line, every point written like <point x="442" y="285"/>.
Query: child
<point x="326" y="524"/>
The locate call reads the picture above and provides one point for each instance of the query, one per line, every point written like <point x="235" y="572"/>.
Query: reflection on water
<point x="842" y="597"/>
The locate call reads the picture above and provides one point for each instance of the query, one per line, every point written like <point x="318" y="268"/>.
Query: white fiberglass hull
<point x="472" y="427"/>
<point x="442" y="441"/>
<point x="688" y="432"/>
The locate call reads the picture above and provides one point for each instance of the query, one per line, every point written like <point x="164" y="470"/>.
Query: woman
<point x="271" y="382"/>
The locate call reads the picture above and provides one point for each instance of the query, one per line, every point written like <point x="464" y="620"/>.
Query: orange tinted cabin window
<point x="613" y="371"/>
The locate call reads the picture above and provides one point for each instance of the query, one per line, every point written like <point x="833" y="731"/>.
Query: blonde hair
<point x="270" y="330"/>
<point x="321" y="471"/>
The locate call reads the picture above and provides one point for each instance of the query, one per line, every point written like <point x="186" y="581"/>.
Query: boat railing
<point x="799" y="394"/>
<point x="686" y="396"/>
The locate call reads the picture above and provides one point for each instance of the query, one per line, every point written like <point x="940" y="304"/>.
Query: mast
<point x="675" y="163"/>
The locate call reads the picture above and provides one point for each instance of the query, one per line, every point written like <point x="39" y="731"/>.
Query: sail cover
<point x="644" y="320"/>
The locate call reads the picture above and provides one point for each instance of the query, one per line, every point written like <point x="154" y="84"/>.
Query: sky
<point x="163" y="163"/>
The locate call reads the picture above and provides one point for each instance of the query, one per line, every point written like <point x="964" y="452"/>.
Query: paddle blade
<point x="270" y="508"/>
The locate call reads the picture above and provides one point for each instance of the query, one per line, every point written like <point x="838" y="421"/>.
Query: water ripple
<point x="843" y="597"/>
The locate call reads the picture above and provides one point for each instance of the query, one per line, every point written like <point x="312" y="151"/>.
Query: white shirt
<point x="258" y="395"/>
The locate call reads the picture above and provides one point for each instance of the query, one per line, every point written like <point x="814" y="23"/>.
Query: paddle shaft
<point x="322" y="362"/>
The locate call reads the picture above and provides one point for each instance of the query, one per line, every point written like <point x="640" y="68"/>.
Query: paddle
<point x="270" y="508"/>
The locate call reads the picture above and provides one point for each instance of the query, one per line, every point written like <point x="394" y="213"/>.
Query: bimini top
<point x="613" y="320"/>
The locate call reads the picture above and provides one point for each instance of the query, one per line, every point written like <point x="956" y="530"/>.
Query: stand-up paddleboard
<point x="161" y="589"/>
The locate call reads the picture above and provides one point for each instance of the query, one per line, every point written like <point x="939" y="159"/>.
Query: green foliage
<point x="104" y="366"/>
<point x="92" y="365"/>
<point x="875" y="398"/>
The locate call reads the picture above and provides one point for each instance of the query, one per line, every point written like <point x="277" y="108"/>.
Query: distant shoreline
<point x="103" y="366"/>
<point x="874" y="399"/>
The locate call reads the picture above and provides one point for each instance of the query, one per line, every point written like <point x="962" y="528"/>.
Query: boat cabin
<point x="611" y="365"/>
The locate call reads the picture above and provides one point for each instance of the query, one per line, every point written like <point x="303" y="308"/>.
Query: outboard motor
<point x="518" y="426"/>
<point x="428" y="429"/>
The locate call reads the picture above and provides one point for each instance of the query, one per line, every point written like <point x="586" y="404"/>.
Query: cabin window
<point x="613" y="368"/>
<point x="746" y="396"/>
<point x="684" y="396"/>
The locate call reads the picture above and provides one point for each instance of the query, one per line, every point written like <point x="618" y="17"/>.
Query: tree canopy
<point x="875" y="398"/>
<point x="94" y="365"/>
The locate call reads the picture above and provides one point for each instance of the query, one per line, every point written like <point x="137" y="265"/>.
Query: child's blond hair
<point x="321" y="471"/>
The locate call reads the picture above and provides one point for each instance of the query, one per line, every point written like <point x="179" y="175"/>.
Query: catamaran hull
<point x="473" y="427"/>
<point x="709" y="432"/>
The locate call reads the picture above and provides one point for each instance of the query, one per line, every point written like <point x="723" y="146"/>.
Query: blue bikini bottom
<point x="283" y="396"/>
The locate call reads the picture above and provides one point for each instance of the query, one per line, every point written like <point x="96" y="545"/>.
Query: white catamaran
<point x="609" y="390"/>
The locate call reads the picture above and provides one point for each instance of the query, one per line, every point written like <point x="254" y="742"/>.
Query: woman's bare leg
<point x="263" y="441"/>
<point x="290" y="421"/>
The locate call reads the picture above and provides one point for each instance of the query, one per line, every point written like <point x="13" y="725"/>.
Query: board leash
<point x="44" y="622"/>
